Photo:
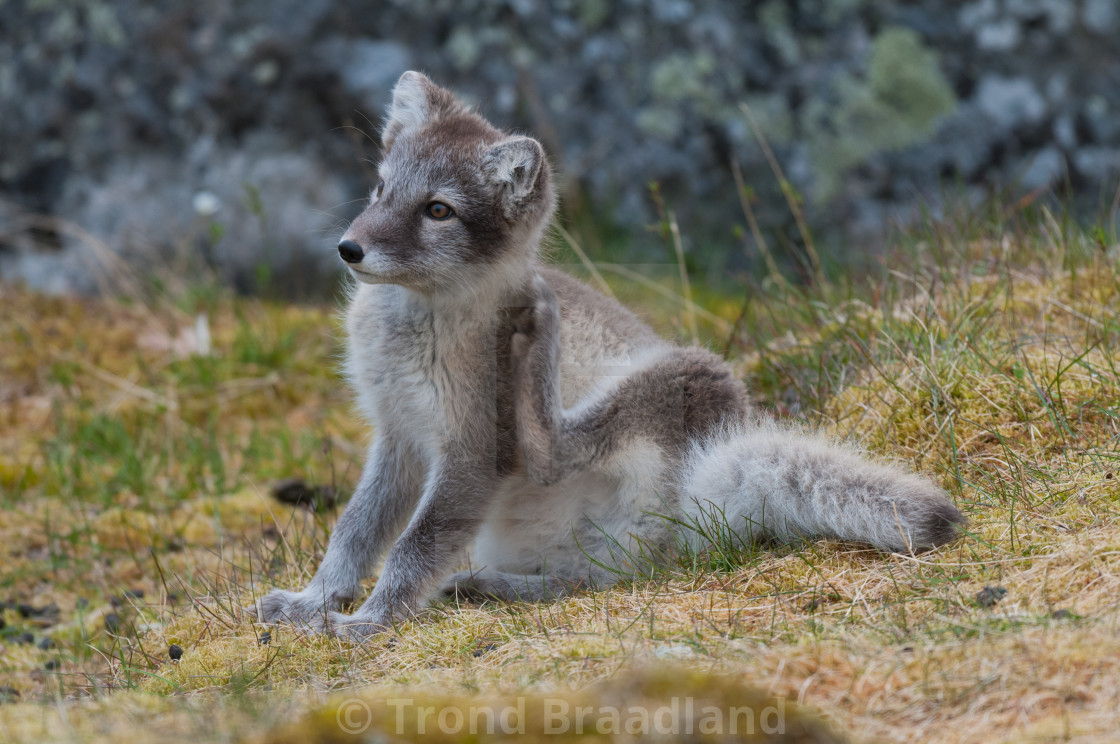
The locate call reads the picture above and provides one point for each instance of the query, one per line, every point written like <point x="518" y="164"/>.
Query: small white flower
<point x="206" y="203"/>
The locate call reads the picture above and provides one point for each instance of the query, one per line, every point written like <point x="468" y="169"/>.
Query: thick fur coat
<point x="531" y="429"/>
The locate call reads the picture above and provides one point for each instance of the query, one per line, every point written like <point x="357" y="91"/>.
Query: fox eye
<point x="380" y="188"/>
<point x="439" y="211"/>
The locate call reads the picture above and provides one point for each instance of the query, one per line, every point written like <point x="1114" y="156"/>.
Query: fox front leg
<point x="386" y="494"/>
<point x="454" y="504"/>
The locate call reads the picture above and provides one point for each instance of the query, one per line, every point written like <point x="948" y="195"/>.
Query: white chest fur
<point x="426" y="375"/>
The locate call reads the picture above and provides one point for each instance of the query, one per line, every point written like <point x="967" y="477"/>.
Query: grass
<point x="135" y="474"/>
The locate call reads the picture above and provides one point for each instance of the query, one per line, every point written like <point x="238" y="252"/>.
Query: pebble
<point x="484" y="649"/>
<point x="296" y="492"/>
<point x="990" y="595"/>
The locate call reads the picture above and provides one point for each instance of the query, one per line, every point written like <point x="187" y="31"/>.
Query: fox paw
<point x="355" y="628"/>
<point x="536" y="322"/>
<point x="297" y="608"/>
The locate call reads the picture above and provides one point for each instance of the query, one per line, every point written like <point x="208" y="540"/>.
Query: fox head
<point x="458" y="200"/>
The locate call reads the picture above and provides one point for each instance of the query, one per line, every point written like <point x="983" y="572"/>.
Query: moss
<point x="681" y="77"/>
<point x="464" y="47"/>
<point x="771" y="113"/>
<point x="593" y="13"/>
<point x="905" y="76"/>
<point x="895" y="105"/>
<point x="774" y="18"/>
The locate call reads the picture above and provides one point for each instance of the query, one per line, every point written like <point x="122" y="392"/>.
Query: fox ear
<point x="513" y="167"/>
<point x="416" y="102"/>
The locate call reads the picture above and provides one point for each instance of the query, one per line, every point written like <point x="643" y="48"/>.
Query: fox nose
<point x="350" y="251"/>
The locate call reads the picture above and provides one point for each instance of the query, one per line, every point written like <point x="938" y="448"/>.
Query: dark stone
<point x="484" y="649"/>
<point x="296" y="492"/>
<point x="46" y="612"/>
<point x="175" y="652"/>
<point x="990" y="595"/>
<point x="264" y="638"/>
<point x="112" y="622"/>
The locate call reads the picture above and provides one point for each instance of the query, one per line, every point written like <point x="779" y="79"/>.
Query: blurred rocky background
<point x="234" y="139"/>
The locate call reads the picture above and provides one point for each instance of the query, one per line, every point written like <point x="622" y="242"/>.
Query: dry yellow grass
<point x="995" y="372"/>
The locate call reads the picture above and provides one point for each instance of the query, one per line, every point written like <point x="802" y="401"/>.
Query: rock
<point x="1101" y="17"/>
<point x="999" y="36"/>
<point x="484" y="649"/>
<point x="1065" y="133"/>
<point x="296" y="492"/>
<point x="45" y="615"/>
<point x="989" y="596"/>
<point x="175" y="652"/>
<point x="1044" y="168"/>
<point x="1098" y="163"/>
<point x="368" y="69"/>
<point x="1010" y="102"/>
<point x="1102" y="120"/>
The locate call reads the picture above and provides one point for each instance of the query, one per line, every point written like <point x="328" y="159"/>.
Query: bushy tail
<point x="764" y="479"/>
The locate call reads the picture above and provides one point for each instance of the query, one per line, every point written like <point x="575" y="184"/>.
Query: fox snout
<point x="351" y="252"/>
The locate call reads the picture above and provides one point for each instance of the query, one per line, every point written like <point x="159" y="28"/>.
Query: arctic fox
<point x="530" y="428"/>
